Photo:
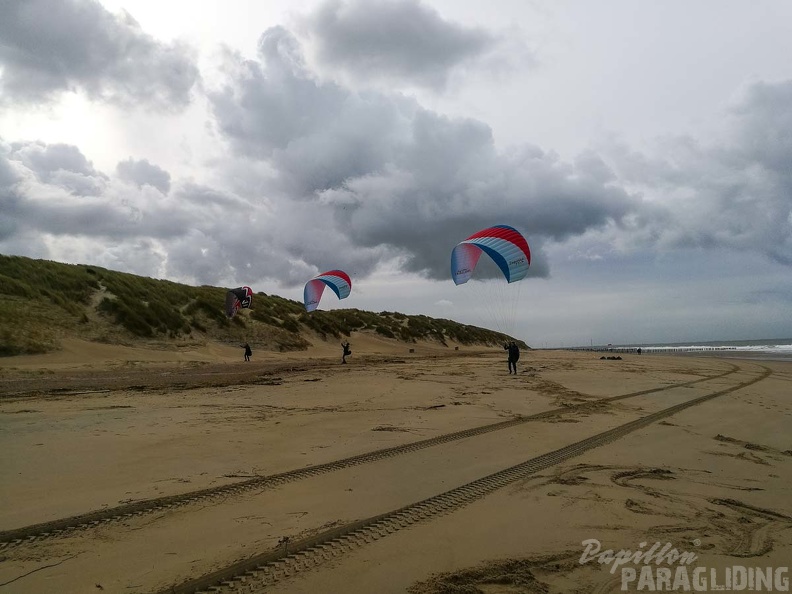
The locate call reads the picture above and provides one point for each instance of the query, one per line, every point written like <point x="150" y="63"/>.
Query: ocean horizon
<point x="780" y="348"/>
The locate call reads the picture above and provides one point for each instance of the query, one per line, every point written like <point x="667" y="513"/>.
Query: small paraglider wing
<point x="337" y="280"/>
<point x="247" y="299"/>
<point x="505" y="245"/>
<point x="241" y="297"/>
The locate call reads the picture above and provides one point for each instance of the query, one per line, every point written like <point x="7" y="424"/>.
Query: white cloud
<point x="49" y="47"/>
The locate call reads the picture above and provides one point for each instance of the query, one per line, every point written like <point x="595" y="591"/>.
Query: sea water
<point x="773" y="348"/>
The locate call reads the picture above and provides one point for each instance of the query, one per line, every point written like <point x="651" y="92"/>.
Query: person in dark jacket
<point x="347" y="351"/>
<point x="514" y="355"/>
<point x="248" y="352"/>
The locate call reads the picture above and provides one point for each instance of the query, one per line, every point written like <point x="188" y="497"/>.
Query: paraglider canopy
<point x="337" y="280"/>
<point x="499" y="300"/>
<point x="505" y="245"/>
<point x="241" y="297"/>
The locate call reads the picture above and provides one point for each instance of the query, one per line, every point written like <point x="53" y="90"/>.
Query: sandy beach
<point x="300" y="447"/>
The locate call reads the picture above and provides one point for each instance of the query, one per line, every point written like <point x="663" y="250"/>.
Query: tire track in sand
<point x="256" y="573"/>
<point x="62" y="526"/>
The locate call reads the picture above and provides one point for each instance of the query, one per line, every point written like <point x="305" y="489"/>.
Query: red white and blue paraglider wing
<point x="241" y="297"/>
<point x="505" y="245"/>
<point x="337" y="280"/>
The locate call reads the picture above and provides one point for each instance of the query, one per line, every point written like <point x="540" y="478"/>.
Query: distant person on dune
<point x="347" y="351"/>
<point x="514" y="355"/>
<point x="248" y="352"/>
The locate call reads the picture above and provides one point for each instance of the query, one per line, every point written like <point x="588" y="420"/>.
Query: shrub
<point x="291" y="325"/>
<point x="385" y="331"/>
<point x="40" y="300"/>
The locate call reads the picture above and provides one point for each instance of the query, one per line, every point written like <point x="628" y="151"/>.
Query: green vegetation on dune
<point x="43" y="301"/>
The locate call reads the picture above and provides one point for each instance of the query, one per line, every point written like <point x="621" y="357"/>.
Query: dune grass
<point x="42" y="301"/>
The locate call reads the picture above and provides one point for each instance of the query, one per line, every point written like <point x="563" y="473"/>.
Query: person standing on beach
<point x="248" y="352"/>
<point x="514" y="355"/>
<point x="347" y="351"/>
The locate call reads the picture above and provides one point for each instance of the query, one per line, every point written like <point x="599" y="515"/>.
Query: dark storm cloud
<point x="244" y="239"/>
<point x="142" y="172"/>
<point x="52" y="46"/>
<point x="764" y="128"/>
<point x="736" y="195"/>
<point x="8" y="176"/>
<point x="263" y="109"/>
<point x="8" y="197"/>
<point x="54" y="189"/>
<point x="395" y="179"/>
<point x="315" y="134"/>
<point x="60" y="164"/>
<point x="46" y="159"/>
<point x="394" y="39"/>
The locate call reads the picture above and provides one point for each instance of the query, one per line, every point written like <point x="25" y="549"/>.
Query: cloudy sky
<point x="643" y="148"/>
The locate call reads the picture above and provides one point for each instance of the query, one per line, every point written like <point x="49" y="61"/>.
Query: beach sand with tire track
<point x="90" y="428"/>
